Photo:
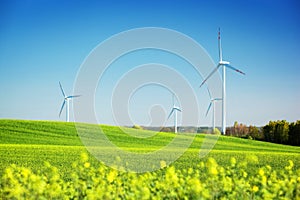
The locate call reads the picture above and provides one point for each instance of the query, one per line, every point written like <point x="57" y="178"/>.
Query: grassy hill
<point x="31" y="143"/>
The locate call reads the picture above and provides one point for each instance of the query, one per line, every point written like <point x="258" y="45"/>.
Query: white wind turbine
<point x="224" y="64"/>
<point x="66" y="101"/>
<point x="174" y="109"/>
<point x="212" y="104"/>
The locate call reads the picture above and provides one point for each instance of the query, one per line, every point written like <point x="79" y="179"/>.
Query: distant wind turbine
<point x="212" y="104"/>
<point x="66" y="102"/>
<point x="174" y="110"/>
<point x="224" y="64"/>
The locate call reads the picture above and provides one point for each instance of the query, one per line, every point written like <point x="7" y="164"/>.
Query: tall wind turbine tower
<point x="224" y="65"/>
<point x="212" y="105"/>
<point x="174" y="110"/>
<point x="66" y="102"/>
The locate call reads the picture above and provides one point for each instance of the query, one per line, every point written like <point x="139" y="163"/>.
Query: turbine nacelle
<point x="224" y="62"/>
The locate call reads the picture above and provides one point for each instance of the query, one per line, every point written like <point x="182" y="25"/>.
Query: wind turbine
<point x="224" y="65"/>
<point x="174" y="109"/>
<point x="212" y="104"/>
<point x="66" y="101"/>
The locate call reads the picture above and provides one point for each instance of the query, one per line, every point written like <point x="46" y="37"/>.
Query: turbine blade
<point x="219" y="45"/>
<point x="210" y="74"/>
<point x="235" y="69"/>
<point x="69" y="97"/>
<point x="171" y="113"/>
<point x="208" y="108"/>
<point x="209" y="93"/>
<point x="62" y="90"/>
<point x="62" y="107"/>
<point x="217" y="99"/>
<point x="173" y="100"/>
<point x="178" y="109"/>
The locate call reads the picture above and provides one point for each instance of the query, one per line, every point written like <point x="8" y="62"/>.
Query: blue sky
<point x="43" y="42"/>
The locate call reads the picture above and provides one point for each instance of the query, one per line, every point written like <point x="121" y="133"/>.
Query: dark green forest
<point x="280" y="131"/>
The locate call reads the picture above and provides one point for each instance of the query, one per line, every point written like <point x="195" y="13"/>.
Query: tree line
<point x="280" y="131"/>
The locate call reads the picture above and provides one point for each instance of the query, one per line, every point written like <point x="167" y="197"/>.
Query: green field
<point x="46" y="160"/>
<point x="31" y="143"/>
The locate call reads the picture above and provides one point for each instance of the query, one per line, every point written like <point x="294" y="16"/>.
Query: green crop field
<point x="30" y="144"/>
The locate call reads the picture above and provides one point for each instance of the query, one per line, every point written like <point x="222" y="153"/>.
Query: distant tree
<point x="277" y="132"/>
<point x="268" y="131"/>
<point x="235" y="124"/>
<point x="243" y="130"/>
<point x="254" y="132"/>
<point x="281" y="133"/>
<point x="238" y="130"/>
<point x="294" y="133"/>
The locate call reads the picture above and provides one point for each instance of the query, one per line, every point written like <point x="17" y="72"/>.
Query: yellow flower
<point x="290" y="167"/>
<point x="291" y="163"/>
<point x="87" y="165"/>
<point x="195" y="185"/>
<point x="254" y="188"/>
<point x="84" y="157"/>
<point x="232" y="161"/>
<point x="213" y="171"/>
<point x="171" y="176"/>
<point x="146" y="193"/>
<point x="212" y="166"/>
<point x="264" y="180"/>
<point x="261" y="172"/>
<point x="163" y="164"/>
<point x="252" y="159"/>
<point x="18" y="191"/>
<point x="190" y="171"/>
<point x="245" y="174"/>
<point x="111" y="176"/>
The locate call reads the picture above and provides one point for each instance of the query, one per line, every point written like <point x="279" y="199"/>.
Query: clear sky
<point x="46" y="41"/>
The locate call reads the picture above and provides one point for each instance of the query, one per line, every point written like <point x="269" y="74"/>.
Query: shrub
<point x="137" y="127"/>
